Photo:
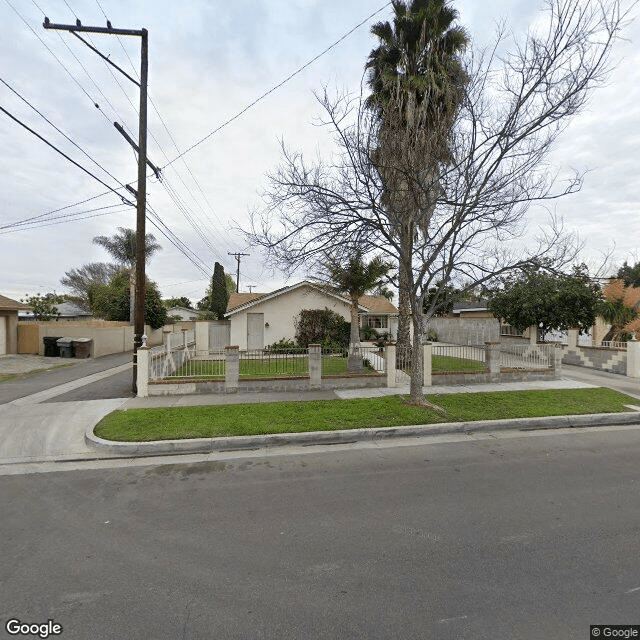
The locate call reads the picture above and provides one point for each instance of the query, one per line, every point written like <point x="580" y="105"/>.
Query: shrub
<point x="283" y="346"/>
<point x="321" y="326"/>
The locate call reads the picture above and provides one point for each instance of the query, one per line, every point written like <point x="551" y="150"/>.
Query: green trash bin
<point x="66" y="347"/>
<point x="51" y="347"/>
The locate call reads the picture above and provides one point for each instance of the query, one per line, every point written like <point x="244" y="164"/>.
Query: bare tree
<point x="513" y="111"/>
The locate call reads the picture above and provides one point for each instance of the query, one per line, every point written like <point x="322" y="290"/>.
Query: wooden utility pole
<point x="141" y="193"/>
<point x="237" y="257"/>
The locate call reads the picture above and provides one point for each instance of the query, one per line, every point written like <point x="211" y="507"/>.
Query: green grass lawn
<point x="144" y="425"/>
<point x="442" y="364"/>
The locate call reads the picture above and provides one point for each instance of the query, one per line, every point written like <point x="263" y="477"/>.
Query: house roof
<point x="7" y="304"/>
<point x="369" y="304"/>
<point x="187" y="309"/>
<point x="478" y="305"/>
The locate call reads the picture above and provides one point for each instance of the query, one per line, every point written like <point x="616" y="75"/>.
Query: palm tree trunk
<point x="354" y="361"/>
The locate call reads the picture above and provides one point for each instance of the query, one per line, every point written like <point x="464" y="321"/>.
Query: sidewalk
<point x="41" y="427"/>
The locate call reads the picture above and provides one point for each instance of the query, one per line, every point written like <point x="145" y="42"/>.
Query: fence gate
<point x="28" y="338"/>
<point x="219" y="336"/>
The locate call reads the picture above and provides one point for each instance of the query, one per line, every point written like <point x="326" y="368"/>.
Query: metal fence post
<point x="315" y="366"/>
<point x="142" y="374"/>
<point x="427" y="350"/>
<point x="390" y="355"/>
<point x="231" y="369"/>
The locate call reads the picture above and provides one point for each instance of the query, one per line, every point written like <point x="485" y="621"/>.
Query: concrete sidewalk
<point x="37" y="427"/>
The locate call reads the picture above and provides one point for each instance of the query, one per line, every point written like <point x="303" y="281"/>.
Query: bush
<point x="283" y="346"/>
<point x="322" y="326"/>
<point x="368" y="333"/>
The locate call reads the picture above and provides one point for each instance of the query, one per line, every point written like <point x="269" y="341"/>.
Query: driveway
<point x="45" y="414"/>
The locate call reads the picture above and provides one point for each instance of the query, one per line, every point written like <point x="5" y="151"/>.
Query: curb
<point x="348" y="436"/>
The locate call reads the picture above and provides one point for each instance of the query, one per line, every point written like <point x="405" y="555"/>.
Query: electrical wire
<point x="61" y="132"/>
<point x="62" y="153"/>
<point x="276" y="87"/>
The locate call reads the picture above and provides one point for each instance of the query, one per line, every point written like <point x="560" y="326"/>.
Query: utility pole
<point x="237" y="257"/>
<point x="141" y="193"/>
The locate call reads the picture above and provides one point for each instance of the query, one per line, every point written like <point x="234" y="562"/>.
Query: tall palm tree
<point x="417" y="84"/>
<point x="122" y="248"/>
<point x="355" y="278"/>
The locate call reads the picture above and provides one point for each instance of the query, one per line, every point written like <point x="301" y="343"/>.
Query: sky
<point x="208" y="60"/>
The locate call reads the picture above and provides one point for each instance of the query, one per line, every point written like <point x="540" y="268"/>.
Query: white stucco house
<point x="184" y="313"/>
<point x="260" y="319"/>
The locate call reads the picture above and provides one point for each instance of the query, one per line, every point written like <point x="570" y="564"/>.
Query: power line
<point x="61" y="132"/>
<point x="44" y="44"/>
<point x="276" y="87"/>
<point x="62" y="153"/>
<point x="78" y="215"/>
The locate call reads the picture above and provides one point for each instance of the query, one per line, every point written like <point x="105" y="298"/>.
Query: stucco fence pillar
<point x="492" y="360"/>
<point x="315" y="366"/>
<point x="231" y="369"/>
<point x="633" y="359"/>
<point x="390" y="355"/>
<point x="143" y="369"/>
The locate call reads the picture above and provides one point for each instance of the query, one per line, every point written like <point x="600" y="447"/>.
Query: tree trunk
<point x="416" y="395"/>
<point x="354" y="361"/>
<point x="403" y="340"/>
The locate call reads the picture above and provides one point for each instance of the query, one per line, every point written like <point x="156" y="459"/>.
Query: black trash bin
<point x="51" y="347"/>
<point x="66" y="347"/>
<point x="82" y="347"/>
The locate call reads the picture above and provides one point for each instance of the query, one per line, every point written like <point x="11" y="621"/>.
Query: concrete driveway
<point x="44" y="414"/>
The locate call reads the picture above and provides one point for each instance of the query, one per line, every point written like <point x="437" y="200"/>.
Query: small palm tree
<point x="355" y="278"/>
<point x="122" y="248"/>
<point x="618" y="315"/>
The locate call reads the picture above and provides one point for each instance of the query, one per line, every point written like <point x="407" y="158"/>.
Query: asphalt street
<point x="501" y="537"/>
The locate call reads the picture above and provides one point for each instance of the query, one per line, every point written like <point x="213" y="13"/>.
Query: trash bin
<point x="66" y="347"/>
<point x="51" y="347"/>
<point x="82" y="347"/>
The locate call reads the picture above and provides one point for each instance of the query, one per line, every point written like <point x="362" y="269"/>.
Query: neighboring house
<point x="66" y="311"/>
<point x="476" y="309"/>
<point x="260" y="319"/>
<point x="184" y="313"/>
<point x="9" y="324"/>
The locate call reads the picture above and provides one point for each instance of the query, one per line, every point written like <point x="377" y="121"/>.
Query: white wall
<point x="3" y="335"/>
<point x="279" y="313"/>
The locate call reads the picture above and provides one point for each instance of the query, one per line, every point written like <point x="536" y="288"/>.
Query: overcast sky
<point x="208" y="60"/>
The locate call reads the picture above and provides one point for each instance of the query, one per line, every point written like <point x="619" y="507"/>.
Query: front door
<point x="255" y="331"/>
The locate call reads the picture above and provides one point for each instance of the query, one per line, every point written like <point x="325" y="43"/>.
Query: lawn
<point x="144" y="425"/>
<point x="446" y="364"/>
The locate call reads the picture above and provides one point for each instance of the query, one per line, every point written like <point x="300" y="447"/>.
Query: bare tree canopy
<point x="467" y="214"/>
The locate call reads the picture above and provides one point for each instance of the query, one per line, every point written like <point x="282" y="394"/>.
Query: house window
<point x="376" y="322"/>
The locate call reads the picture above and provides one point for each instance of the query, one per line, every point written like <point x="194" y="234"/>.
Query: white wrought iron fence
<point x="365" y="359"/>
<point x="453" y="358"/>
<point x="526" y="356"/>
<point x="294" y="362"/>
